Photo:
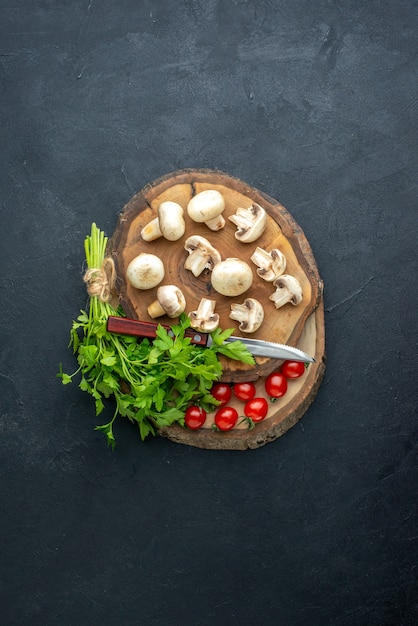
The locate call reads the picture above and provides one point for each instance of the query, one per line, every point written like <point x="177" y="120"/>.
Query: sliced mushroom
<point x="250" y="222"/>
<point x="202" y="255"/>
<point x="170" y="301"/>
<point x="204" y="318"/>
<point x="145" y="271"/>
<point x="169" y="223"/>
<point x="270" y="265"/>
<point x="232" y="277"/>
<point x="207" y="206"/>
<point x="288" y="289"/>
<point x="250" y="314"/>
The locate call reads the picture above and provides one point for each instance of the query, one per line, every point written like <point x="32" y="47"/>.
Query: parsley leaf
<point x="151" y="382"/>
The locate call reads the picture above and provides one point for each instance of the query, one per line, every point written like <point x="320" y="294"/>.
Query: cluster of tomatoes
<point x="255" y="408"/>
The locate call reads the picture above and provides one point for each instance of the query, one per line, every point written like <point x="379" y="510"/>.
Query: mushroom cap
<point x="171" y="221"/>
<point x="250" y="314"/>
<point x="171" y="299"/>
<point x="206" y="205"/>
<point x="288" y="289"/>
<point x="250" y="222"/>
<point x="145" y="271"/>
<point x="232" y="277"/>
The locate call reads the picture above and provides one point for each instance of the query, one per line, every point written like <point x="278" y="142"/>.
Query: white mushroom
<point x="288" y="289"/>
<point x="250" y="222"/>
<point x="169" y="223"/>
<point x="202" y="255"/>
<point x="170" y="301"/>
<point x="145" y="271"/>
<point x="207" y="206"/>
<point x="232" y="277"/>
<point x="204" y="318"/>
<point x="270" y="265"/>
<point x="250" y="314"/>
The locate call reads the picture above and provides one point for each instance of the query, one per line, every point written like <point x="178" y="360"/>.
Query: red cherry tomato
<point x="293" y="369"/>
<point x="244" y="391"/>
<point x="276" y="385"/>
<point x="194" y="417"/>
<point x="256" y="409"/>
<point x="226" y="417"/>
<point x="221" y="392"/>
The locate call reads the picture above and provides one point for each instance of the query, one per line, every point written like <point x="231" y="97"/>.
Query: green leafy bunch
<point x="151" y="382"/>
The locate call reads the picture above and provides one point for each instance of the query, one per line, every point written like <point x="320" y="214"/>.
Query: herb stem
<point x="163" y="376"/>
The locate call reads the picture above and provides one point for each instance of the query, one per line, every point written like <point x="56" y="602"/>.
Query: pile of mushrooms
<point x="230" y="277"/>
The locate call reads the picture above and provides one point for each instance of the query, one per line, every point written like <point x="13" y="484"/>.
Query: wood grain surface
<point x="301" y="325"/>
<point x="283" y="325"/>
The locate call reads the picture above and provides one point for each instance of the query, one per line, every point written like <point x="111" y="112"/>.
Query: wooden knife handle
<point x="127" y="326"/>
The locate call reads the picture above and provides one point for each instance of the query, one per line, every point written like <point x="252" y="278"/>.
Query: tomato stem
<point x="249" y="421"/>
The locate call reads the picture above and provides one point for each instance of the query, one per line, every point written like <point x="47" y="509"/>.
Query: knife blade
<point x="257" y="347"/>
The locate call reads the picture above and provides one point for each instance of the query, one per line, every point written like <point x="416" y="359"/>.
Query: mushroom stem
<point x="217" y="223"/>
<point x="152" y="230"/>
<point x="280" y="298"/>
<point x="155" y="309"/>
<point x="241" y="219"/>
<point x="196" y="263"/>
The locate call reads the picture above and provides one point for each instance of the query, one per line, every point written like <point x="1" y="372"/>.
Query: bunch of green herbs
<point x="151" y="382"/>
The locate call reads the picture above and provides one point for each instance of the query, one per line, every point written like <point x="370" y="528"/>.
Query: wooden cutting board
<point x="284" y="325"/>
<point x="301" y="325"/>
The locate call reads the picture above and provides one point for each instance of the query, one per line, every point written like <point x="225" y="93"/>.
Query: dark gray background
<point x="314" y="103"/>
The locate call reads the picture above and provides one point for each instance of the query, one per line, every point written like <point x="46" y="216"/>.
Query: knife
<point x="257" y="347"/>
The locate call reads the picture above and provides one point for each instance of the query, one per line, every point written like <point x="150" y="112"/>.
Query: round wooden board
<point x="302" y="326"/>
<point x="284" y="325"/>
<point x="282" y="415"/>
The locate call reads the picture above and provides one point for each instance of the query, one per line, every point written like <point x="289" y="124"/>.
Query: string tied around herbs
<point x="100" y="282"/>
